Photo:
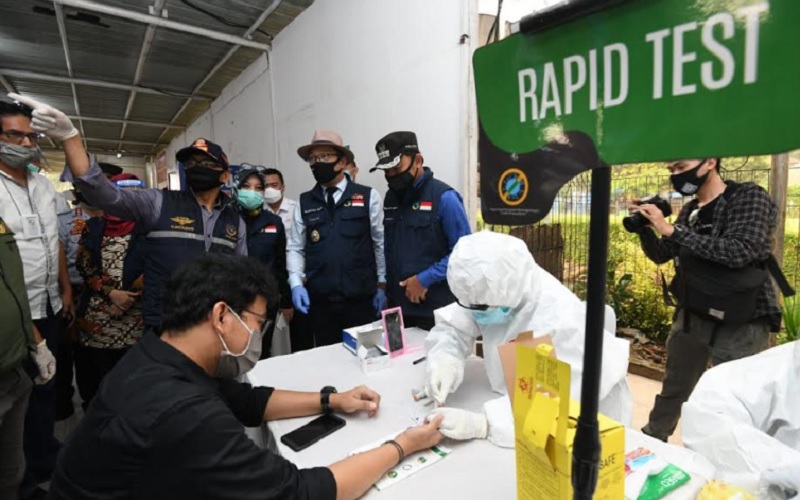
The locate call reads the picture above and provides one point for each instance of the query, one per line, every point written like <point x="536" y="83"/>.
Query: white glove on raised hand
<point x="462" y="424"/>
<point x="47" y="119"/>
<point x="45" y="361"/>
<point x="780" y="482"/>
<point x="445" y="374"/>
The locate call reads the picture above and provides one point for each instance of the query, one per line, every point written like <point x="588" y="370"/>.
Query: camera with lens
<point x="636" y="222"/>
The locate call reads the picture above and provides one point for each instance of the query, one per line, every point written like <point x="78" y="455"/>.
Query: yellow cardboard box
<point x="545" y="419"/>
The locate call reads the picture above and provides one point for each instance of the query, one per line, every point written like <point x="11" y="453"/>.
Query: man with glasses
<point x="726" y="226"/>
<point x="28" y="210"/>
<point x="337" y="269"/>
<point x="179" y="225"/>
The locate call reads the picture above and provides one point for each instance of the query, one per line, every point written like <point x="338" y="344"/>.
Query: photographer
<point x="726" y="306"/>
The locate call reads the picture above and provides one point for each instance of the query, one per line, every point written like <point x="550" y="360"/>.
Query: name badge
<point x="31" y="228"/>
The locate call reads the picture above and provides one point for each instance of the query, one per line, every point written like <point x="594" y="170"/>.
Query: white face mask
<point x="272" y="195"/>
<point x="250" y="333"/>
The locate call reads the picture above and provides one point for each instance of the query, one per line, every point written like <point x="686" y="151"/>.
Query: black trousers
<point x="91" y="366"/>
<point x="330" y="317"/>
<point x="300" y="332"/>
<point x="40" y="445"/>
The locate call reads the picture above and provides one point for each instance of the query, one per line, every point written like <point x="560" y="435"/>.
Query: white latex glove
<point x="780" y="483"/>
<point x="45" y="361"/>
<point x="47" y="119"/>
<point x="445" y="374"/>
<point x="462" y="424"/>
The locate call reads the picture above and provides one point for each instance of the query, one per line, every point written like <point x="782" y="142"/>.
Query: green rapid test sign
<point x="649" y="80"/>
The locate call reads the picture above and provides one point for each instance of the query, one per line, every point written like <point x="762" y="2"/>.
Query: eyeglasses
<point x="203" y="163"/>
<point x="323" y="158"/>
<point x="473" y="307"/>
<point x="265" y="326"/>
<point x="18" y="137"/>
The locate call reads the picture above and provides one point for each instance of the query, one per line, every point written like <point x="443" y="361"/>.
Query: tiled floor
<point x="644" y="394"/>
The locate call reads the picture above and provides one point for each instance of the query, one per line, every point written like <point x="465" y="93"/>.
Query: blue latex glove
<point x="379" y="301"/>
<point x="300" y="299"/>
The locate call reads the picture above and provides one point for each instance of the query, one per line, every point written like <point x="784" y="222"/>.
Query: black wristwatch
<point x="324" y="398"/>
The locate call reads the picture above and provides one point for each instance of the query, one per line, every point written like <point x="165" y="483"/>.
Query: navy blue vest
<point x="132" y="266"/>
<point x="340" y="257"/>
<point x="176" y="239"/>
<point x="414" y="240"/>
<point x="263" y="232"/>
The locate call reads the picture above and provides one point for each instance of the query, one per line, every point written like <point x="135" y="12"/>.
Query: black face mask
<point x="80" y="199"/>
<point x="401" y="182"/>
<point x="324" y="172"/>
<point x="688" y="183"/>
<point x="202" y="179"/>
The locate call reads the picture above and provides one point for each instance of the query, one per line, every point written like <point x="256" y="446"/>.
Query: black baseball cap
<point x="206" y="147"/>
<point x="392" y="146"/>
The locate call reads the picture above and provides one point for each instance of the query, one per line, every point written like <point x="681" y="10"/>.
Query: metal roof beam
<point x="62" y="31"/>
<point x="132" y="143"/>
<point x="163" y="23"/>
<point x="263" y="17"/>
<point x="31" y="75"/>
<point x="147" y="42"/>
<point x="125" y="122"/>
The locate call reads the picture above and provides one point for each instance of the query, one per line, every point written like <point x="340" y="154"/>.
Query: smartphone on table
<point x="395" y="340"/>
<point x="303" y="437"/>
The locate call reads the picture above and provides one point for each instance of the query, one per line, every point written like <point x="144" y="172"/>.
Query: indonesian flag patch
<point x="357" y="202"/>
<point x="426" y="206"/>
<point x="270" y="229"/>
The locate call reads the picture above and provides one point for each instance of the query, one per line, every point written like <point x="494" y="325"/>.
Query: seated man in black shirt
<point x="162" y="427"/>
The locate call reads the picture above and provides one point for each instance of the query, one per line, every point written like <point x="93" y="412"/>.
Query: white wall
<point x="363" y="68"/>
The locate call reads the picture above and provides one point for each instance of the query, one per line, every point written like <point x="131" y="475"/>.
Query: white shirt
<point x="31" y="214"/>
<point x="286" y="213"/>
<point x="296" y="241"/>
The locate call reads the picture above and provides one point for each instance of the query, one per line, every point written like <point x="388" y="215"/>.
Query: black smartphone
<point x="303" y="437"/>
<point x="394" y="330"/>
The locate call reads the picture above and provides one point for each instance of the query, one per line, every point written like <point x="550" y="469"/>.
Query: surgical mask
<point x="18" y="156"/>
<point x="250" y="333"/>
<point x="688" y="183"/>
<point x="232" y="367"/>
<point x="401" y="182"/>
<point x="250" y="199"/>
<point x="492" y="316"/>
<point x="32" y="168"/>
<point x="324" y="172"/>
<point x="272" y="195"/>
<point x="202" y="179"/>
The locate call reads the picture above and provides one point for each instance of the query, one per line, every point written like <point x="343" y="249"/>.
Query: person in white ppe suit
<point x="502" y="292"/>
<point x="744" y="416"/>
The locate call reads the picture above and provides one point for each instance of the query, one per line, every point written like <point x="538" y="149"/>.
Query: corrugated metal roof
<point x="106" y="48"/>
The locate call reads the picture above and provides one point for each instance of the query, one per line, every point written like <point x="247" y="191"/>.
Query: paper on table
<point x="410" y="465"/>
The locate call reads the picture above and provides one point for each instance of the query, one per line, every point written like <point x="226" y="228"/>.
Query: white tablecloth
<point x="475" y="469"/>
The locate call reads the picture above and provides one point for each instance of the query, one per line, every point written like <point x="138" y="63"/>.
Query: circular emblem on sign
<point x="513" y="187"/>
<point x="415" y="206"/>
<point x="315" y="236"/>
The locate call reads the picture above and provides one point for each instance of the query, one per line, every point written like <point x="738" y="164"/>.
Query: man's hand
<point x="288" y="315"/>
<point x="421" y="437"/>
<point x="122" y="299"/>
<point x="360" y="398"/>
<point x="300" y="299"/>
<point x="45" y="361"/>
<point x="379" y="301"/>
<point x="68" y="309"/>
<point x="656" y="217"/>
<point x="414" y="290"/>
<point x="48" y="120"/>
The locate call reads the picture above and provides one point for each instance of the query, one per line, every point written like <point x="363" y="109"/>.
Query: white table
<point x="475" y="469"/>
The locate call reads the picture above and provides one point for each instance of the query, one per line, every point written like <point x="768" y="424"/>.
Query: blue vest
<point x="415" y="240"/>
<point x="340" y="257"/>
<point x="176" y="239"/>
<point x="132" y="266"/>
<point x="263" y="232"/>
